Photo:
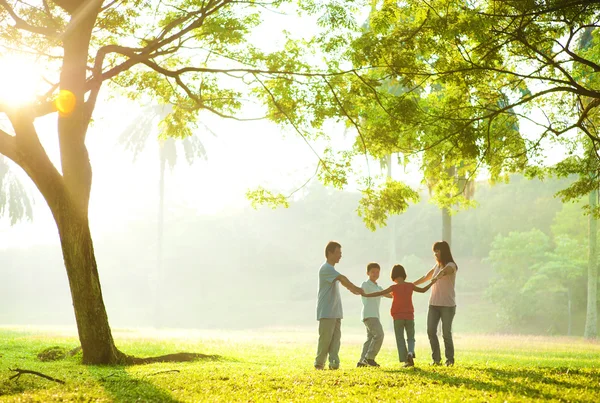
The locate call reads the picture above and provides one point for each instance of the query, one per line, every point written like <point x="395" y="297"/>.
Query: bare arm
<point x="450" y="268"/>
<point x="385" y="292"/>
<point x="388" y="295"/>
<point x="348" y="284"/>
<point x="424" y="289"/>
<point x="425" y="278"/>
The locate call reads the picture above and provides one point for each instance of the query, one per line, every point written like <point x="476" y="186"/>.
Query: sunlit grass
<point x="276" y="365"/>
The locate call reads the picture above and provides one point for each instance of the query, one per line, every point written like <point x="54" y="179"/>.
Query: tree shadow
<point x="502" y="380"/>
<point x="123" y="387"/>
<point x="176" y="357"/>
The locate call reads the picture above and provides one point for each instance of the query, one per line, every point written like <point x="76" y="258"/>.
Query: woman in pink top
<point x="442" y="303"/>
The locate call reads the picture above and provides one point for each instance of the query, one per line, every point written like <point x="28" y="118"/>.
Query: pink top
<point x="442" y="292"/>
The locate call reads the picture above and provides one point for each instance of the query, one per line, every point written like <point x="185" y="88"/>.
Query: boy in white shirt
<point x="370" y="317"/>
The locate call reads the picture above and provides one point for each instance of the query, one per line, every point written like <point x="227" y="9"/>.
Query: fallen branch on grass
<point x="20" y="372"/>
<point x="163" y="372"/>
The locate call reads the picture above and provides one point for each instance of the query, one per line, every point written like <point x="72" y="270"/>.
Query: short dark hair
<point x="398" y="271"/>
<point x="373" y="265"/>
<point x="331" y="247"/>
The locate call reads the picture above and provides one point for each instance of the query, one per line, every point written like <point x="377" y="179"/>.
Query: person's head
<point x="373" y="270"/>
<point x="398" y="273"/>
<point x="333" y="252"/>
<point x="442" y="253"/>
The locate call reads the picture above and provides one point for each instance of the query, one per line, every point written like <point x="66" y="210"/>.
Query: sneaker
<point x="362" y="364"/>
<point x="436" y="363"/>
<point x="410" y="360"/>
<point x="449" y="363"/>
<point x="408" y="364"/>
<point x="319" y="367"/>
<point x="333" y="367"/>
<point x="372" y="363"/>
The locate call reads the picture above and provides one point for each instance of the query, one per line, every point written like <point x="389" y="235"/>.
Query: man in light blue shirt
<point x="370" y="317"/>
<point x="329" y="307"/>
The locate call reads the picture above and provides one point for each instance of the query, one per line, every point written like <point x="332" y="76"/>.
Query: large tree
<point x="167" y="53"/>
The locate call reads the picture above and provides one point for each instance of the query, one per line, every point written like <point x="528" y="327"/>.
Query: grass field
<point x="276" y="365"/>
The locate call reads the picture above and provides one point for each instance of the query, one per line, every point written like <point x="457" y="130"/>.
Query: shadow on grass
<point x="501" y="380"/>
<point x="123" y="387"/>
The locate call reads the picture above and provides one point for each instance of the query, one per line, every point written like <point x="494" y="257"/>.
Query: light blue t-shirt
<point x="370" y="304"/>
<point x="329" y="301"/>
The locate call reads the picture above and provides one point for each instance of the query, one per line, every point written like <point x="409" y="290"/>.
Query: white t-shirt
<point x="370" y="304"/>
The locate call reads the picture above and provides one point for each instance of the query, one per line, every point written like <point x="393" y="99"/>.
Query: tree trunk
<point x="76" y="242"/>
<point x="392" y="221"/>
<point x="95" y="335"/>
<point x="68" y="194"/>
<point x="446" y="217"/>
<point x="591" y="318"/>
<point x="569" y="312"/>
<point x="159" y="237"/>
<point x="446" y="226"/>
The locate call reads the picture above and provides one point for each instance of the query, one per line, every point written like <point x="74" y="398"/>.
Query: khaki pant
<point x="330" y="334"/>
<point x="374" y="339"/>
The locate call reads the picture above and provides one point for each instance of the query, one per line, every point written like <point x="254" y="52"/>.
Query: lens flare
<point x="65" y="102"/>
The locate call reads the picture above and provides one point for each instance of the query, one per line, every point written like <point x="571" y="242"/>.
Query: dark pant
<point x="446" y="314"/>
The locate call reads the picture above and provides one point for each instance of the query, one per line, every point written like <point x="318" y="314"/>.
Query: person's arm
<point x="385" y="292"/>
<point x="450" y="268"/>
<point x="389" y="295"/>
<point x="348" y="284"/>
<point x="425" y="278"/>
<point x="427" y="287"/>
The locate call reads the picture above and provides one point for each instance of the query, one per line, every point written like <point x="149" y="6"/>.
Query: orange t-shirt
<point x="402" y="306"/>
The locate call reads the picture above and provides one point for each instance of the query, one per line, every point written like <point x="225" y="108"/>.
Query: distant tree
<point x="14" y="200"/>
<point x="150" y="126"/>
<point x="558" y="273"/>
<point x="514" y="258"/>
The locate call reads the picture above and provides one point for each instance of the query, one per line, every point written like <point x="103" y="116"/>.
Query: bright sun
<point x="20" y="80"/>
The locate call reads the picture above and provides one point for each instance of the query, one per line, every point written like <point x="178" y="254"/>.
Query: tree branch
<point x="8" y="146"/>
<point x="20" y="372"/>
<point x="22" y="24"/>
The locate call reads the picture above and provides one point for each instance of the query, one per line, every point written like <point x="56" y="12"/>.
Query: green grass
<point x="276" y="365"/>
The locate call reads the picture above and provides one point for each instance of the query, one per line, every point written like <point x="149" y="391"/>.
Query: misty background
<point x="521" y="253"/>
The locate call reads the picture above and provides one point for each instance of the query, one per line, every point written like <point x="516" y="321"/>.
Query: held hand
<point x="433" y="280"/>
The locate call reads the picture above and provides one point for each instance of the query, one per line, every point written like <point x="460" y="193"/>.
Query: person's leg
<point x="410" y="336"/>
<point x="433" y="318"/>
<point x="448" y="313"/>
<point x="400" y="342"/>
<point x="367" y="344"/>
<point x="334" y="347"/>
<point x="326" y="328"/>
<point x="377" y="340"/>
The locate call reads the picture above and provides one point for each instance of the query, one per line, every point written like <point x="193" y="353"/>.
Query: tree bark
<point x="90" y="313"/>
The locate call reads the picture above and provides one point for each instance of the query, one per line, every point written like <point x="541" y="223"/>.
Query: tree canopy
<point x="463" y="74"/>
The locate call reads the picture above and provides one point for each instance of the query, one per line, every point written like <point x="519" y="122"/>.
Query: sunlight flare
<point x="65" y="102"/>
<point x="20" y="80"/>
